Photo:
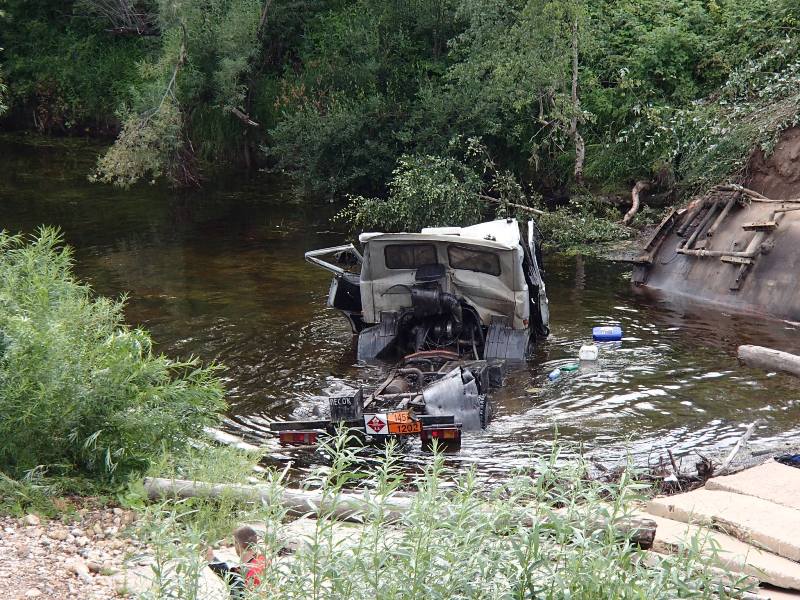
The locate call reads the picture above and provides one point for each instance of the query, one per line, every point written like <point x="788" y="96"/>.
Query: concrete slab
<point x="771" y="481"/>
<point x="733" y="555"/>
<point x="770" y="593"/>
<point x="770" y="526"/>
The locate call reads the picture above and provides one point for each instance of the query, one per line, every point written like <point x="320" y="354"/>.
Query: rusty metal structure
<point x="734" y="247"/>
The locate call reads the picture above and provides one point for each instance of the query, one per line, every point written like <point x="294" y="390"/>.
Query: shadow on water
<point x="219" y="273"/>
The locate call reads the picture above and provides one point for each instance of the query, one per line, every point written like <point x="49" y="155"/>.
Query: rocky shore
<point x="80" y="557"/>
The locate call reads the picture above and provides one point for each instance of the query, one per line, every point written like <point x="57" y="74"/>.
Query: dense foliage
<point x="80" y="393"/>
<point x="346" y="95"/>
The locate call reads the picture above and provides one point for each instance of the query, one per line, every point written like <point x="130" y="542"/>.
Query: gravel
<point x="42" y="558"/>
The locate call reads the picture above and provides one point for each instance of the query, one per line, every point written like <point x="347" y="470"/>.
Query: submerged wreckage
<point x="734" y="247"/>
<point x="451" y="305"/>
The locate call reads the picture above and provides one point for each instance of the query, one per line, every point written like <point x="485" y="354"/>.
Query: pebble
<point x="94" y="567"/>
<point x="78" y="566"/>
<point x="50" y="559"/>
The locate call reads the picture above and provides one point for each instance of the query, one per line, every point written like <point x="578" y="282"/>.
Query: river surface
<point x="219" y="273"/>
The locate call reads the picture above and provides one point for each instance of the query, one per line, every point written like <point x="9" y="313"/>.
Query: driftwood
<point x="739" y="445"/>
<point x="635" y="201"/>
<point x="344" y="507"/>
<point x="767" y="358"/>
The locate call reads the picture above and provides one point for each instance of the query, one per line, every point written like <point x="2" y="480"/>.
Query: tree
<point x="207" y="49"/>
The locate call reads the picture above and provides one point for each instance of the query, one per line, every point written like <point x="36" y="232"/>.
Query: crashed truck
<point x="449" y="306"/>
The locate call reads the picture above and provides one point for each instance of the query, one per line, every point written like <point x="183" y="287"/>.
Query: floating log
<point x="342" y="507"/>
<point x="767" y="358"/>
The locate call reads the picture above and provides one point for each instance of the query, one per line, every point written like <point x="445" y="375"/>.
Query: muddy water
<point x="219" y="273"/>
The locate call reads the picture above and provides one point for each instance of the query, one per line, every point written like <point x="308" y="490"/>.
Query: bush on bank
<point x="80" y="392"/>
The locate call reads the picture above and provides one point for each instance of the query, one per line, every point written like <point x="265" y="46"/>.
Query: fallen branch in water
<point x="770" y="359"/>
<point x="739" y="445"/>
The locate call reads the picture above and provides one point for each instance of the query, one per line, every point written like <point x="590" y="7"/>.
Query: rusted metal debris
<point x="734" y="247"/>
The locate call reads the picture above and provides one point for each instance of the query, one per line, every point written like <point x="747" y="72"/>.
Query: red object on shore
<point x="253" y="576"/>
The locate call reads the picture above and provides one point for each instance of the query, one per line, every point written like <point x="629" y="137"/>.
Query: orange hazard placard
<point x="400" y="423"/>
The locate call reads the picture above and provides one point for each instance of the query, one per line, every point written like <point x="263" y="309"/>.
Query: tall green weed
<point x="547" y="534"/>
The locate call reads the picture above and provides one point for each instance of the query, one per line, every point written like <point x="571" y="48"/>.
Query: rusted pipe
<point x="712" y="253"/>
<point x="728" y="206"/>
<point x="414" y="371"/>
<point x="691" y="217"/>
<point x="711" y="211"/>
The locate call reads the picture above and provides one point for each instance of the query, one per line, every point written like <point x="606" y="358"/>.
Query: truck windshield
<point x="473" y="260"/>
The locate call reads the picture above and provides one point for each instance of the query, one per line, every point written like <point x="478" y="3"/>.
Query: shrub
<point x="81" y="393"/>
<point x="585" y="225"/>
<point x="425" y="191"/>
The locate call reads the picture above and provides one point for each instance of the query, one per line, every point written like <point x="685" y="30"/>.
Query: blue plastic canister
<point x="607" y="334"/>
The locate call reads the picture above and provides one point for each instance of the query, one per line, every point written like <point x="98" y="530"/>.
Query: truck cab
<point x="476" y="291"/>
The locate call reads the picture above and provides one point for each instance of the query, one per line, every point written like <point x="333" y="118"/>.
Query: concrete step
<point x="771" y="481"/>
<point x="769" y="526"/>
<point x="732" y="555"/>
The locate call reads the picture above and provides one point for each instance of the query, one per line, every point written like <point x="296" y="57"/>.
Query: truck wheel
<point x="485" y="410"/>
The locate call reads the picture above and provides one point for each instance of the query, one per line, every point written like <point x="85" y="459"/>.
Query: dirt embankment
<point x="777" y="175"/>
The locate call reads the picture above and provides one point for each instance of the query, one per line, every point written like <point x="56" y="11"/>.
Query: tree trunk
<point x="637" y="189"/>
<point x="344" y="507"/>
<point x="351" y="507"/>
<point x="577" y="138"/>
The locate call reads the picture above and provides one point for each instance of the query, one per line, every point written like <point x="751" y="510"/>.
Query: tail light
<point x="447" y="437"/>
<point x="297" y="438"/>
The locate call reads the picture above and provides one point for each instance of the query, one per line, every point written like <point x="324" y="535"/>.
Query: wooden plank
<point x="761" y="523"/>
<point x="760" y="225"/>
<point x="736" y="260"/>
<point x="771" y="481"/>
<point x="725" y="551"/>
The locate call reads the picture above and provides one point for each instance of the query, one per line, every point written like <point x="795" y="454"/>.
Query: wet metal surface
<point x="219" y="273"/>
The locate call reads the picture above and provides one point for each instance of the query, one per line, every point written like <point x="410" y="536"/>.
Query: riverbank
<point x="583" y="537"/>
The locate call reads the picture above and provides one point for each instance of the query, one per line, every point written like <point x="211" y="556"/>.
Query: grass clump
<point x="540" y="536"/>
<point x="81" y="394"/>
